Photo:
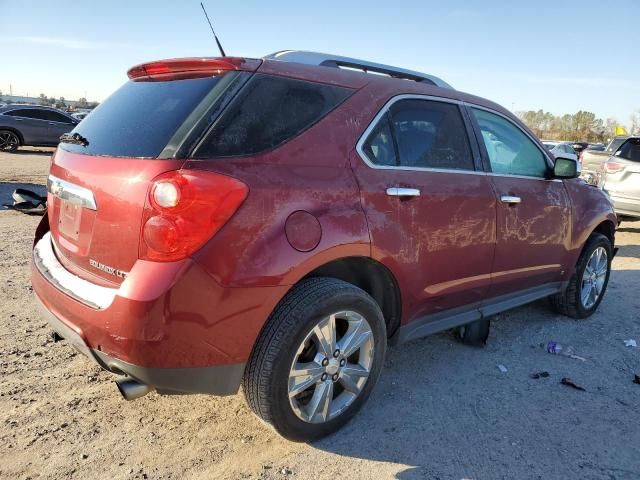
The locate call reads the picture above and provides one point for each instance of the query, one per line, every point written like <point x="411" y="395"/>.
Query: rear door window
<point x="35" y="113"/>
<point x="267" y="112"/>
<point x="420" y="134"/>
<point x="57" y="117"/>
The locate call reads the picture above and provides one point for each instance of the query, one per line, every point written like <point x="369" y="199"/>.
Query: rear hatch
<point x="101" y="173"/>
<point x="623" y="171"/>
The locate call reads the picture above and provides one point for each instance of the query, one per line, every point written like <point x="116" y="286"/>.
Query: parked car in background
<point x="598" y="147"/>
<point x="279" y="220"/>
<point x="28" y="125"/>
<point x="80" y="115"/>
<point x="593" y="160"/>
<point x="560" y="149"/>
<point x="622" y="178"/>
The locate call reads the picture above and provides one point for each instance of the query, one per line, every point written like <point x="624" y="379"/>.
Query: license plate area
<point x="69" y="220"/>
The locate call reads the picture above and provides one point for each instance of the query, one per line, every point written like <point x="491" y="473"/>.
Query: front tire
<point x="9" y="141"/>
<point x="317" y="359"/>
<point x="588" y="284"/>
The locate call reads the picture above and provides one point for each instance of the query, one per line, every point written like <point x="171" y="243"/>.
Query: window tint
<point x="430" y="135"/>
<point x="630" y="150"/>
<point x="34" y="113"/>
<point x="140" y="118"/>
<point x="615" y="145"/>
<point x="267" y="112"/>
<point x="379" y="146"/>
<point x="56" y="117"/>
<point x="510" y="150"/>
<point x="427" y="135"/>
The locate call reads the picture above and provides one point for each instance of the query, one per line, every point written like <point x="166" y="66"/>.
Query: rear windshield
<point x="615" y="145"/>
<point x="630" y="150"/>
<point x="140" y="118"/>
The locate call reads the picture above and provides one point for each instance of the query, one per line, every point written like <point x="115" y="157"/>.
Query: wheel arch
<point x="372" y="277"/>
<point x="608" y="229"/>
<point x="17" y="132"/>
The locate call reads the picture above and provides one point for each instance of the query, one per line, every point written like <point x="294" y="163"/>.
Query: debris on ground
<point x="28" y="202"/>
<point x="636" y="379"/>
<point x="502" y="368"/>
<point x="630" y="343"/>
<point x="569" y="383"/>
<point x="555" y="348"/>
<point x="538" y="375"/>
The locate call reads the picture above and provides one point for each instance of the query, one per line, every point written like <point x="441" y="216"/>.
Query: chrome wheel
<point x="331" y="367"/>
<point x="9" y="141"/>
<point x="593" y="278"/>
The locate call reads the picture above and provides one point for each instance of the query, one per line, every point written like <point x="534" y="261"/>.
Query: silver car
<point x="32" y="125"/>
<point x="622" y="178"/>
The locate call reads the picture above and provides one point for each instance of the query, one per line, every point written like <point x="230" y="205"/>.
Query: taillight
<point x="613" y="167"/>
<point x="580" y="157"/>
<point x="184" y="209"/>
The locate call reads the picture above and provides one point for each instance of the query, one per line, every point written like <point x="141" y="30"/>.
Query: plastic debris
<point x="557" y="349"/>
<point x="29" y="202"/>
<point x="502" y="368"/>
<point x="539" y="375"/>
<point x="569" y="383"/>
<point x="630" y="343"/>
<point x="636" y="379"/>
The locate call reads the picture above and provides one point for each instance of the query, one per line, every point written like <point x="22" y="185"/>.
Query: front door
<point x="431" y="214"/>
<point x="534" y="213"/>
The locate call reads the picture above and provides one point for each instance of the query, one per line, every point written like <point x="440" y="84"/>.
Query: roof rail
<point x="336" y="61"/>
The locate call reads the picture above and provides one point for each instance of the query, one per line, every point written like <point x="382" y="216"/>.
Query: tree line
<point x="580" y="127"/>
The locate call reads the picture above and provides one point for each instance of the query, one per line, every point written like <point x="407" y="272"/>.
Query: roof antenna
<point x="212" y="31"/>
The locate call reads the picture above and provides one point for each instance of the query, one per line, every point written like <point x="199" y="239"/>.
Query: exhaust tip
<point x="131" y="389"/>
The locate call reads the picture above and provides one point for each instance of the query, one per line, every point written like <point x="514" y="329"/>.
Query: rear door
<point x="430" y="212"/>
<point x="534" y="214"/>
<point x="57" y="125"/>
<point x="32" y="125"/>
<point x="623" y="176"/>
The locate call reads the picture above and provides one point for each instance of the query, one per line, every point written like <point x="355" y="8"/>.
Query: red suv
<point x="274" y="223"/>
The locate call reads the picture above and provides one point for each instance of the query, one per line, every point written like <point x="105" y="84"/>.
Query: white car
<point x="561" y="149"/>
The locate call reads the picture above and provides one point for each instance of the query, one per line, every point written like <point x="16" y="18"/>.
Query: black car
<point x="32" y="125"/>
<point x="579" y="147"/>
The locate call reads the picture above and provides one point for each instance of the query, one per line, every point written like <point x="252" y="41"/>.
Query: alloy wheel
<point x="593" y="277"/>
<point x="331" y="367"/>
<point x="8" y="141"/>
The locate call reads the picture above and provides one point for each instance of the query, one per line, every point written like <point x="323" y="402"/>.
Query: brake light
<point x="613" y="167"/>
<point x="184" y="209"/>
<point x="187" y="67"/>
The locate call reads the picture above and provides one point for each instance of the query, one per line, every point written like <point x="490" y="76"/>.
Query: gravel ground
<point x="441" y="410"/>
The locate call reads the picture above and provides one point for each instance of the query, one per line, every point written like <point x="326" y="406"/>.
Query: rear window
<point x="140" y="118"/>
<point x="615" y="145"/>
<point x="267" y="112"/>
<point x="630" y="150"/>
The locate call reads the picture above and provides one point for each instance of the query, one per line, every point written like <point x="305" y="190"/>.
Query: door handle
<point x="403" y="192"/>
<point x="510" y="199"/>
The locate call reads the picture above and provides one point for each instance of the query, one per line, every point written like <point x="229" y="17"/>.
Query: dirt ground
<point x="441" y="409"/>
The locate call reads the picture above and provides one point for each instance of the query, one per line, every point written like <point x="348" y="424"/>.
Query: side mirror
<point x="566" y="168"/>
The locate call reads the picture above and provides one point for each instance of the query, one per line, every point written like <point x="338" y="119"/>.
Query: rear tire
<point x="586" y="288"/>
<point x="328" y="394"/>
<point x="9" y="141"/>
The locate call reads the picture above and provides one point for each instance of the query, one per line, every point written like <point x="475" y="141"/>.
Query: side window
<point x="56" y="117"/>
<point x="379" y="146"/>
<point x="630" y="150"/>
<point x="269" y="111"/>
<point x="510" y="150"/>
<point x="427" y="134"/>
<point x="28" y="113"/>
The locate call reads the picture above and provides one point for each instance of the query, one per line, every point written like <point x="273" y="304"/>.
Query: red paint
<point x="311" y="201"/>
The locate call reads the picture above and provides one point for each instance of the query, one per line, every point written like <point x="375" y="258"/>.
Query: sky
<point x="559" y="56"/>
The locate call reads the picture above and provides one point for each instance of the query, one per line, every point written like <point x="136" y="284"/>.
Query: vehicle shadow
<point x="21" y="151"/>
<point x="444" y="410"/>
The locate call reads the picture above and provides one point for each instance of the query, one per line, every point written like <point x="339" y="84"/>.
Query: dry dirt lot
<point x="441" y="410"/>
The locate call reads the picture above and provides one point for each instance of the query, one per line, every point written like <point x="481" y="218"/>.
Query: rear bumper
<point x="168" y="325"/>
<point x="625" y="206"/>
<point x="215" y="380"/>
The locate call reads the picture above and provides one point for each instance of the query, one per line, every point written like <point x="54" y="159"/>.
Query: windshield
<point x="140" y="118"/>
<point x="549" y="145"/>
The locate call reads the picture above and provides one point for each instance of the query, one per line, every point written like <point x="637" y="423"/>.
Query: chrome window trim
<point x="71" y="193"/>
<point x="385" y="108"/>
